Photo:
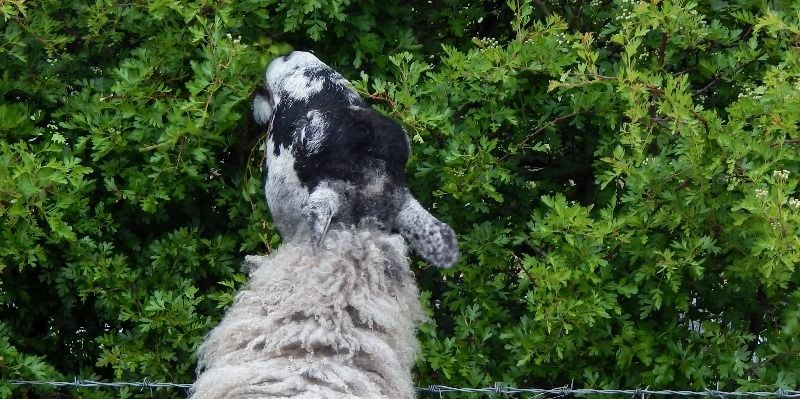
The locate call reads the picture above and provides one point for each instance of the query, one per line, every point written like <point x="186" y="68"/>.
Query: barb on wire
<point x="441" y="390"/>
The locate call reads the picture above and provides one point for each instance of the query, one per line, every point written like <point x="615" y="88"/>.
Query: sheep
<point x="332" y="312"/>
<point x="333" y="160"/>
<point x="328" y="322"/>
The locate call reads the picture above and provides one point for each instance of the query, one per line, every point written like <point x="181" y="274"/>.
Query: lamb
<point x="332" y="312"/>
<point x="331" y="159"/>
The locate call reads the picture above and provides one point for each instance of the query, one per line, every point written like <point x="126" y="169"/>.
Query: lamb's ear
<point x="318" y="210"/>
<point x="263" y="106"/>
<point x="432" y="239"/>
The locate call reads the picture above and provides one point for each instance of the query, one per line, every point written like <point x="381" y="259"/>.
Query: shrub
<point x="622" y="176"/>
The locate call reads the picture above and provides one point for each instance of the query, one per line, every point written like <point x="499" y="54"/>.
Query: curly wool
<point x="337" y="321"/>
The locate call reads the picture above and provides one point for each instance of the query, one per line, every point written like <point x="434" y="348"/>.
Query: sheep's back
<point x="335" y="322"/>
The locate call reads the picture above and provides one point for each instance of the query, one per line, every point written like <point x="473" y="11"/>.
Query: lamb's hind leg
<point x="432" y="239"/>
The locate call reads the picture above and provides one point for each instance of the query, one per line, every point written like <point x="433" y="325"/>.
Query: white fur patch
<point x="285" y="194"/>
<point x="300" y="88"/>
<point x="287" y="76"/>
<point x="315" y="131"/>
<point x="262" y="110"/>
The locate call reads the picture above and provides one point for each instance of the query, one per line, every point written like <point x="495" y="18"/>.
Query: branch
<point x="700" y="118"/>
<point x="662" y="49"/>
<point x="378" y="97"/>
<point x="790" y="142"/>
<point x="710" y="84"/>
<point x="551" y="123"/>
<point x="718" y="76"/>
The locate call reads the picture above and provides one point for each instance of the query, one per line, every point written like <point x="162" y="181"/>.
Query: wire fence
<point x="442" y="390"/>
<point x="79" y="383"/>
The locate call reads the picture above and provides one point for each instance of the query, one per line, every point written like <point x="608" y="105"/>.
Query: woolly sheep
<point x="332" y="322"/>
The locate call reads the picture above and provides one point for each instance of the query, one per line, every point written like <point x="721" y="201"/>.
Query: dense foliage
<point x="622" y="175"/>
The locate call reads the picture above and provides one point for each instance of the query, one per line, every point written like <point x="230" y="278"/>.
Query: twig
<point x="379" y="97"/>
<point x="155" y="146"/>
<point x="718" y="76"/>
<point x="551" y="123"/>
<point x="662" y="49"/>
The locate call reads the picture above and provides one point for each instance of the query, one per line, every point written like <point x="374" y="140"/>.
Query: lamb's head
<point x="332" y="161"/>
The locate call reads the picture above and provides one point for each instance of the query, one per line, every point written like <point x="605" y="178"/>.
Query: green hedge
<point x="622" y="176"/>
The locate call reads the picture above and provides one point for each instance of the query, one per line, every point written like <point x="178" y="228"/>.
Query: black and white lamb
<point x="331" y="314"/>
<point x="333" y="160"/>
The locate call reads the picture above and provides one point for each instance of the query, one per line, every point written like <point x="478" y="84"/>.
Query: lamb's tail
<point x="429" y="237"/>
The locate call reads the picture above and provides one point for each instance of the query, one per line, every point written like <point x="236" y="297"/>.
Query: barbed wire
<point x="81" y="383"/>
<point x="497" y="389"/>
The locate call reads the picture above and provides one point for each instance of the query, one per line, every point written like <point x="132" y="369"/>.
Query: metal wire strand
<point x="441" y="390"/>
